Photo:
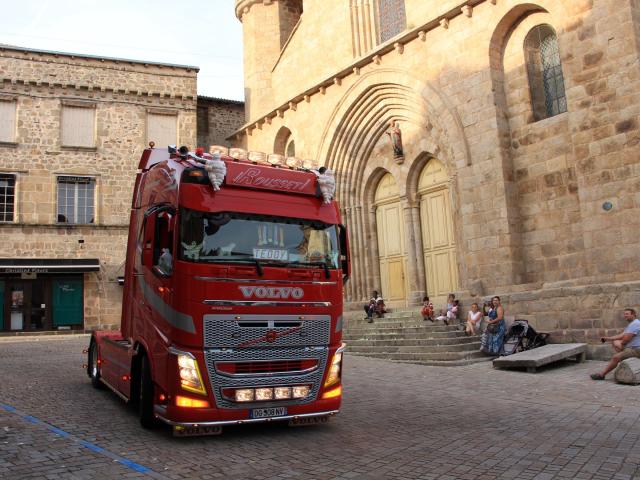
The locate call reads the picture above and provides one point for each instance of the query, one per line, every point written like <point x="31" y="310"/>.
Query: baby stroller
<point x="522" y="336"/>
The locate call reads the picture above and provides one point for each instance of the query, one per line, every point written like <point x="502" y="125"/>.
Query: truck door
<point x="157" y="263"/>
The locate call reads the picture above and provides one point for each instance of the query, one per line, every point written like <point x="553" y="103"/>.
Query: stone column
<point x="411" y="246"/>
<point x="417" y="231"/>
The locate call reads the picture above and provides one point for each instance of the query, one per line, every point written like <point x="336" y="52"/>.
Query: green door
<point x="1" y="305"/>
<point x="67" y="302"/>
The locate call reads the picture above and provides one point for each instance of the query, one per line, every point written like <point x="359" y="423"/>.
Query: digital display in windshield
<point x="225" y="237"/>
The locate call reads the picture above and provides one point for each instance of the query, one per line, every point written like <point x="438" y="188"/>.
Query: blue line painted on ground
<point x="88" y="445"/>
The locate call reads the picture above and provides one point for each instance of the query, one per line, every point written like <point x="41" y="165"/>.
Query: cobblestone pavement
<point x="398" y="421"/>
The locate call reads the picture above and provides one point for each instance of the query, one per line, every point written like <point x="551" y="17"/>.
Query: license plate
<point x="268" y="412"/>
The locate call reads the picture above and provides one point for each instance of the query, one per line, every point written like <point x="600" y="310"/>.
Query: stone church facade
<point x="72" y="129"/>
<point x="481" y="147"/>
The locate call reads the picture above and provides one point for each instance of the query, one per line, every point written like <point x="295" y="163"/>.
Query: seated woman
<point x="381" y="308"/>
<point x="493" y="336"/>
<point x="474" y="318"/>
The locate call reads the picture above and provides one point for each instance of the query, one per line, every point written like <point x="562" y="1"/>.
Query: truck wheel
<point x="93" y="370"/>
<point x="147" y="390"/>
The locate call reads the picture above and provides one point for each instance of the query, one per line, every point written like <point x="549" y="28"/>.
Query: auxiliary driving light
<point x="264" y="394"/>
<point x="282" y="393"/>
<point x="301" y="391"/>
<point x="244" y="395"/>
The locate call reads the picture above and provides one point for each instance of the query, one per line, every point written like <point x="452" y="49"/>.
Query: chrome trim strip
<point x="264" y="303"/>
<point x="266" y="374"/>
<point x="254" y="280"/>
<point x="248" y="420"/>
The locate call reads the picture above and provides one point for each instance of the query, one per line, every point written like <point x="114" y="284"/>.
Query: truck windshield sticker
<point x="225" y="237"/>
<point x="268" y="254"/>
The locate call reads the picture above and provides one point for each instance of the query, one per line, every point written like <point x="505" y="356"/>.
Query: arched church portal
<point x="438" y="241"/>
<point x="392" y="252"/>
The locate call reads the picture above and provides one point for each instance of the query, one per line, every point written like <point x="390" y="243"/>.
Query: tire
<point x="93" y="370"/>
<point x="146" y="397"/>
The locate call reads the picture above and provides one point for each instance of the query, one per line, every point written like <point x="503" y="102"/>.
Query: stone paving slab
<point x="538" y="357"/>
<point x="398" y="421"/>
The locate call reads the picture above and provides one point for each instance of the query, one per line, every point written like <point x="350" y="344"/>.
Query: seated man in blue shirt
<point x="627" y="344"/>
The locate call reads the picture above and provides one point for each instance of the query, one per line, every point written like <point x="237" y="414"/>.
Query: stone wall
<point x="527" y="195"/>
<point x="218" y="119"/>
<point x="123" y="92"/>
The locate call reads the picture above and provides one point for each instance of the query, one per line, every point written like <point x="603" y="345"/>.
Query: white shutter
<point x="7" y="121"/>
<point x="162" y="129"/>
<point x="78" y="126"/>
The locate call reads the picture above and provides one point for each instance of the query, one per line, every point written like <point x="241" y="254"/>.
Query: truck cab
<point x="233" y="295"/>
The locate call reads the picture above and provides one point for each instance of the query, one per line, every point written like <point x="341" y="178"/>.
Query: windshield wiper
<point x="324" y="264"/>
<point x="254" y="261"/>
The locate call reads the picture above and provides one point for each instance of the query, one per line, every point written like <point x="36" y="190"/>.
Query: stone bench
<point x="533" y="359"/>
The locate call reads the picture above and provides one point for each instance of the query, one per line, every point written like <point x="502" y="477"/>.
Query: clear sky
<point x="202" y="33"/>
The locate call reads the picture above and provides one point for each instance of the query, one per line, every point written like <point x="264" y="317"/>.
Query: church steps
<point x="424" y="357"/>
<point x="376" y="348"/>
<point x="403" y="336"/>
<point x="400" y="342"/>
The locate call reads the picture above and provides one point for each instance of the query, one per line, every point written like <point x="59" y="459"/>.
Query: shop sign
<point x="26" y="270"/>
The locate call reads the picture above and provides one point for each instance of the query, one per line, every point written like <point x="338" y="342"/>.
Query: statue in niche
<point x="396" y="141"/>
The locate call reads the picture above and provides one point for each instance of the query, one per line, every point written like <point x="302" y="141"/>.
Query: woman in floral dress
<point x="493" y="336"/>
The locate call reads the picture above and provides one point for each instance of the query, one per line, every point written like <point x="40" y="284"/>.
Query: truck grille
<point x="250" y="331"/>
<point x="265" y="358"/>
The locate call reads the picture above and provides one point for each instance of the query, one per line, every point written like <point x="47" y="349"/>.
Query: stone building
<point x="218" y="119"/>
<point x="72" y="129"/>
<point x="480" y="146"/>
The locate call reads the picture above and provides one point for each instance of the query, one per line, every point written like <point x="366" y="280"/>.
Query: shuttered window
<point x="78" y="126"/>
<point x="7" y="120"/>
<point x="162" y="129"/>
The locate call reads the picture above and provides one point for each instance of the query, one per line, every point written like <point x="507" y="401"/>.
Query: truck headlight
<point x="333" y="377"/>
<point x="190" y="378"/>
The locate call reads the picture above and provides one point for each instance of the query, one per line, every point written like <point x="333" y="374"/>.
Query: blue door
<point x="67" y="302"/>
<point x="1" y="305"/>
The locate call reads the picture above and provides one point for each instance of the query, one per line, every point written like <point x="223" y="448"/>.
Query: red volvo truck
<point x="233" y="295"/>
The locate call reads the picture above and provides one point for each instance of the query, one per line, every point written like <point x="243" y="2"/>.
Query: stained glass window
<point x="392" y="18"/>
<point x="546" y="82"/>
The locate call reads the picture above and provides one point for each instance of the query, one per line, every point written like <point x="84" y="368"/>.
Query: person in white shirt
<point x="626" y="344"/>
<point x="474" y="318"/>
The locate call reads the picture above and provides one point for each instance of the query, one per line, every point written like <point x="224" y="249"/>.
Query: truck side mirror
<point x="345" y="263"/>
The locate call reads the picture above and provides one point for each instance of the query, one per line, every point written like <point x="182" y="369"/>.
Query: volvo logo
<point x="272" y="292"/>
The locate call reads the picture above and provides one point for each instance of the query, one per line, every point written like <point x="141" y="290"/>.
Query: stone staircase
<point x="403" y="336"/>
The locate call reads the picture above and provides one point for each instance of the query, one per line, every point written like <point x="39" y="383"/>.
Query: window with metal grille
<point x="546" y="82"/>
<point x="7" y="197"/>
<point x="392" y="18"/>
<point x="76" y="200"/>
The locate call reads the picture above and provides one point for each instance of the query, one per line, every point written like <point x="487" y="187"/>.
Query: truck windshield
<point x="224" y="237"/>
